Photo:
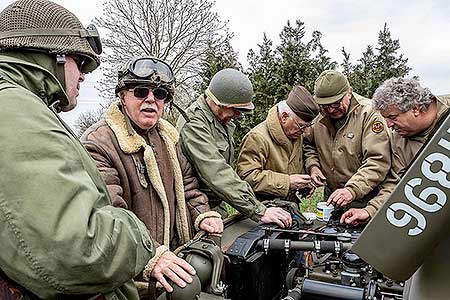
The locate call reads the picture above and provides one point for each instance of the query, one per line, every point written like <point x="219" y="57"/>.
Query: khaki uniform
<point x="423" y="254"/>
<point x="356" y="156"/>
<point x="267" y="157"/>
<point x="208" y="145"/>
<point x="403" y="152"/>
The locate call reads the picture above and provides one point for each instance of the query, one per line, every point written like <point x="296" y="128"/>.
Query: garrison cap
<point x="301" y="102"/>
<point x="330" y="87"/>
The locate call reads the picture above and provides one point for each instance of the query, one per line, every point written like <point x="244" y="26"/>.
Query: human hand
<point x="355" y="216"/>
<point x="174" y="268"/>
<point x="278" y="216"/>
<point x="340" y="197"/>
<point x="212" y="225"/>
<point x="299" y="181"/>
<point x="317" y="177"/>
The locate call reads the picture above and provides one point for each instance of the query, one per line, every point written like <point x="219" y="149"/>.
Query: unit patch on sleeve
<point x="377" y="126"/>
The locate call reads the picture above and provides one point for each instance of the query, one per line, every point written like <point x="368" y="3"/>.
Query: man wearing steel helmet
<point x="60" y="235"/>
<point x="145" y="171"/>
<point x="349" y="146"/>
<point x="207" y="140"/>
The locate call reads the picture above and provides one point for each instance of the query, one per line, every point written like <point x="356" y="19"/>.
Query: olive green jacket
<point x="357" y="156"/>
<point x="208" y="145"/>
<point x="59" y="233"/>
<point x="403" y="152"/>
<point x="267" y="157"/>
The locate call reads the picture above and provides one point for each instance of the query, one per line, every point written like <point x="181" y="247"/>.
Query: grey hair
<point x="283" y="107"/>
<point x="403" y="93"/>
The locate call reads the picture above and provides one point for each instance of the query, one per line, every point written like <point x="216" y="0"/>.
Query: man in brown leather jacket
<point x="138" y="156"/>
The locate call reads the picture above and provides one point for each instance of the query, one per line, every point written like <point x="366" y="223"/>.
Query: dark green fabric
<point x="209" y="147"/>
<point x="59" y="233"/>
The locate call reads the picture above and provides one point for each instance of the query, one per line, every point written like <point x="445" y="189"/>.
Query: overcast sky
<point x="421" y="26"/>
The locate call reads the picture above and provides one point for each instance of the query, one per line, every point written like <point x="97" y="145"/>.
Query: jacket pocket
<point x="140" y="170"/>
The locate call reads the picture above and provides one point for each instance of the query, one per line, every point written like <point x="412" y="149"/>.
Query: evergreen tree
<point x="263" y="74"/>
<point x="375" y="66"/>
<point x="218" y="56"/>
<point x="347" y="66"/>
<point x="274" y="71"/>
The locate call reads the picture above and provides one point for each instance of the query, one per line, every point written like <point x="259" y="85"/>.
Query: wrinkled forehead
<point x="390" y="111"/>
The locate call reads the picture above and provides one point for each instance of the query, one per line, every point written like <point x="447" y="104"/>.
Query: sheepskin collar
<point x="131" y="142"/>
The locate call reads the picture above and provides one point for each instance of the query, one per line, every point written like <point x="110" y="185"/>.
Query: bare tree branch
<point x="178" y="31"/>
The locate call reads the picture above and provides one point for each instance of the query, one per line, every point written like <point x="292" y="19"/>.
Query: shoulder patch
<point x="377" y="126"/>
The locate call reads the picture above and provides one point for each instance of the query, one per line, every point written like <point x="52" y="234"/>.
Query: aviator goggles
<point x="142" y="92"/>
<point x="93" y="38"/>
<point x="145" y="67"/>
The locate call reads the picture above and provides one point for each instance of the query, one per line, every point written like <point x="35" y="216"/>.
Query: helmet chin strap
<point x="60" y="73"/>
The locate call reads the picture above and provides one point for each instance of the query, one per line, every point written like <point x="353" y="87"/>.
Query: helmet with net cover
<point x="41" y="25"/>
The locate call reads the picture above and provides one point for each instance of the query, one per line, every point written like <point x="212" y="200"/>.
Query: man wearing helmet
<point x="137" y="154"/>
<point x="207" y="140"/>
<point x="60" y="237"/>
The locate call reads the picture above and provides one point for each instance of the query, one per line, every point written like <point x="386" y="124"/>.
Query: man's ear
<point x="284" y="117"/>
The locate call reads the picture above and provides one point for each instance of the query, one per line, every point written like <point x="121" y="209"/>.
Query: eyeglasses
<point x="80" y="61"/>
<point x="334" y="105"/>
<point x="302" y="126"/>
<point x="142" y="92"/>
<point x="147" y="66"/>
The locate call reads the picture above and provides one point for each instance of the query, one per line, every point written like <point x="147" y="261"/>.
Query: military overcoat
<point x="267" y="157"/>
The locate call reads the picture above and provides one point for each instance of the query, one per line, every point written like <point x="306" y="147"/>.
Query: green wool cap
<point x="330" y="87"/>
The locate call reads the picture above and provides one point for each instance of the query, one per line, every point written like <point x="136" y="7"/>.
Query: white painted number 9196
<point x="420" y="202"/>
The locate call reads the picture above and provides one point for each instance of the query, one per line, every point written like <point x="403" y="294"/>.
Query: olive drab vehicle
<point x="409" y="237"/>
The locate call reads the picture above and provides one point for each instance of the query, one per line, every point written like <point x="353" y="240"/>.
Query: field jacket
<point x="59" y="233"/>
<point x="208" y="145"/>
<point x="356" y="156"/>
<point x="267" y="157"/>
